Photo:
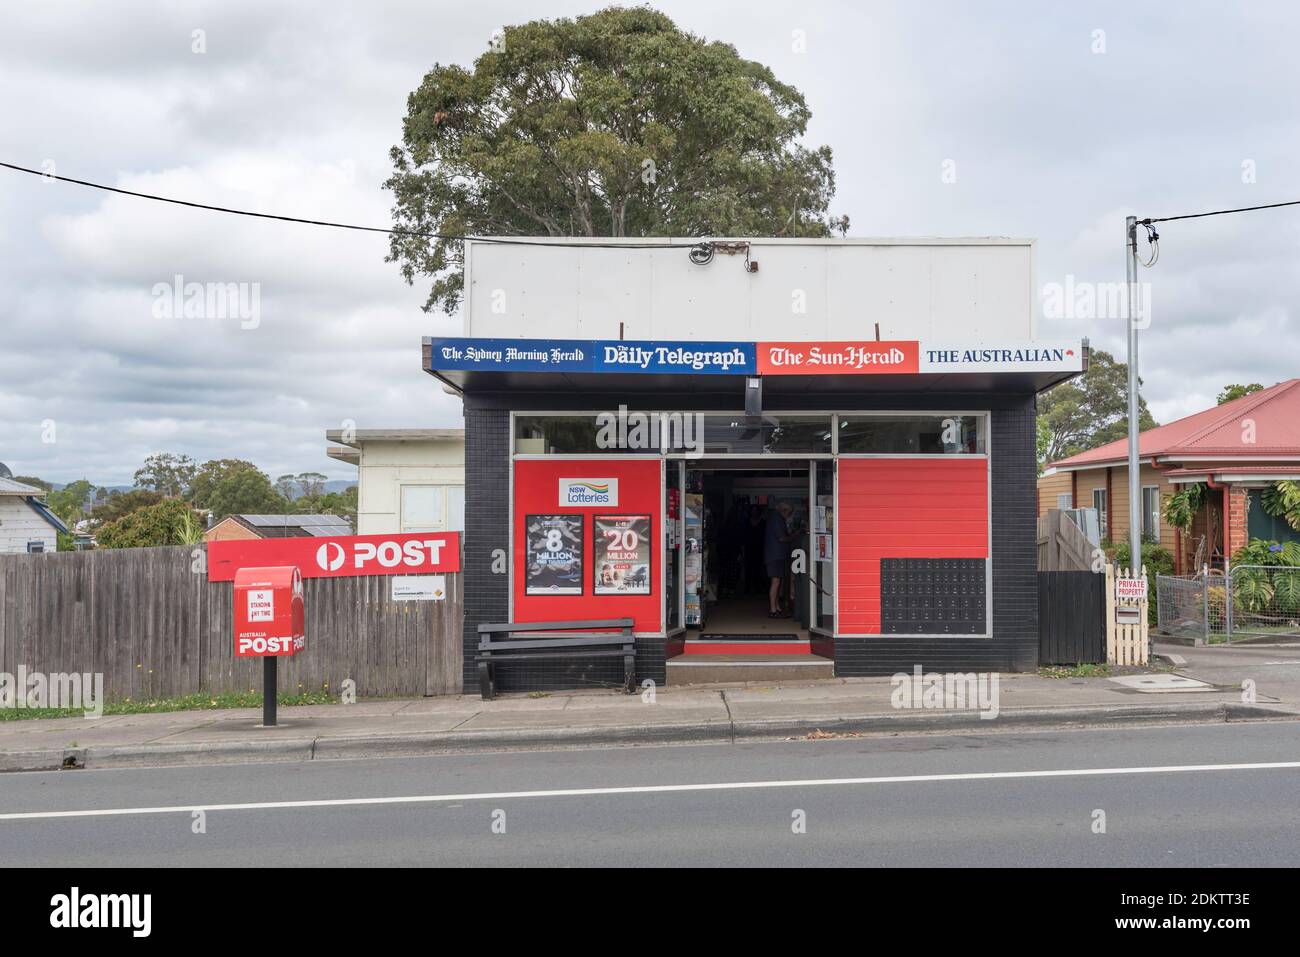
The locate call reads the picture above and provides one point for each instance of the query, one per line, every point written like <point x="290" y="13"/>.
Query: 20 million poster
<point x="622" y="546"/>
<point x="554" y="555"/>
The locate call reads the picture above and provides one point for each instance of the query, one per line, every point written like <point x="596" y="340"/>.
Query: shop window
<point x="931" y="434"/>
<point x="614" y="431"/>
<point x="736" y="433"/>
<point x="632" y="431"/>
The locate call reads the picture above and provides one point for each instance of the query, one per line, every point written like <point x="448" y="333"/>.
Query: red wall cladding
<point x="537" y="491"/>
<point x="903" y="508"/>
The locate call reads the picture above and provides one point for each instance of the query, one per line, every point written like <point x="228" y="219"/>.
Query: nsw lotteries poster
<point x="622" y="546"/>
<point x="554" y="555"/>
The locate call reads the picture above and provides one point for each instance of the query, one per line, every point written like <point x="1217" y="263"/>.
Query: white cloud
<point x="294" y="105"/>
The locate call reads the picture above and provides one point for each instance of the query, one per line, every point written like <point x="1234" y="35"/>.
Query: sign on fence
<point x="1130" y="589"/>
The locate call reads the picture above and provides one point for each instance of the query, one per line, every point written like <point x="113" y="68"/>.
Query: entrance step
<point x="712" y="643"/>
<point x="712" y="668"/>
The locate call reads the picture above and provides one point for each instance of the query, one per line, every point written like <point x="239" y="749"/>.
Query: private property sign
<point x="1130" y="589"/>
<point x="419" y="553"/>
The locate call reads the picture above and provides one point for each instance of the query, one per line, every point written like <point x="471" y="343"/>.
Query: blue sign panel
<point x="592" y="355"/>
<point x="511" y="355"/>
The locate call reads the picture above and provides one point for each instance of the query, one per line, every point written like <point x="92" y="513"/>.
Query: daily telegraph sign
<point x="591" y="355"/>
<point x="867" y="357"/>
<point x="420" y="553"/>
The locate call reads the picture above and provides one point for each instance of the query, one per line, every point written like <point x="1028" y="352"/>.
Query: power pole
<point x="1134" y="476"/>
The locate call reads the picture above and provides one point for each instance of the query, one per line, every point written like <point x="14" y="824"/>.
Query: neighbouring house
<point x="1237" y="449"/>
<point x="408" y="480"/>
<point x="239" y="527"/>
<point x="26" y="522"/>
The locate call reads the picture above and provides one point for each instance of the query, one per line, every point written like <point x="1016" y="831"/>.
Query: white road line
<point x="645" y="789"/>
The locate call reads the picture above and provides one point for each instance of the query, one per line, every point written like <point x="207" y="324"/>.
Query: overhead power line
<point x="498" y="240"/>
<point x="1217" y="212"/>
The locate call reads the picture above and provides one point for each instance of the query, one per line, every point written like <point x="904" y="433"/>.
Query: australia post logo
<point x="365" y="556"/>
<point x="416" y="553"/>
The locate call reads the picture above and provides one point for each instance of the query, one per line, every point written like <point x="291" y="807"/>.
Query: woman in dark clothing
<point x="776" y="555"/>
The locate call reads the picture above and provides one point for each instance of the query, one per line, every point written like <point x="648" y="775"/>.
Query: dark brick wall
<point x="487" y="523"/>
<point x="1015" y="533"/>
<point x="1013" y="647"/>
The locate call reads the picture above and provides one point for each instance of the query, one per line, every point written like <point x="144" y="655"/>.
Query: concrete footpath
<point x="695" y="713"/>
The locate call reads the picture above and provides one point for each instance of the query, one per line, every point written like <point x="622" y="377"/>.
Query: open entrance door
<point x="754" y="588"/>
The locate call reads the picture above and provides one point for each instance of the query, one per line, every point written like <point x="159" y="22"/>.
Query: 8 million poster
<point x="622" y="544"/>
<point x="554" y="555"/>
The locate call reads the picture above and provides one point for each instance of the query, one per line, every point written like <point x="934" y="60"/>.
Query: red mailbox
<point x="268" y="612"/>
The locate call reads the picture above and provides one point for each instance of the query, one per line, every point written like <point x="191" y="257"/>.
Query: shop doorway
<point x="746" y="523"/>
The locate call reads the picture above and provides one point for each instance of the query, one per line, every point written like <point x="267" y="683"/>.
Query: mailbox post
<point x="268" y="623"/>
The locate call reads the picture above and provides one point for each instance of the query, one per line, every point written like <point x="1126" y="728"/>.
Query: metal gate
<point x="1251" y="602"/>
<point x="1192" y="606"/>
<point x="1263" y="601"/>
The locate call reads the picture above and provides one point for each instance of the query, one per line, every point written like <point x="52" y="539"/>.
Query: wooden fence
<point x="1127" y="642"/>
<point x="150" y="621"/>
<point x="1071" y="618"/>
<point x="1062" y="546"/>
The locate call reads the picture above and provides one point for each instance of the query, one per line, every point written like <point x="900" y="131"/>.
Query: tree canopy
<point x="1237" y="391"/>
<point x="245" y="492"/>
<point x="166" y="473"/>
<point x="211" y="473"/>
<point x="612" y="124"/>
<point x="170" y="521"/>
<point x="1088" y="411"/>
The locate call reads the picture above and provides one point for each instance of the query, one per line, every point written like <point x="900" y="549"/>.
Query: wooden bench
<point x="564" y="639"/>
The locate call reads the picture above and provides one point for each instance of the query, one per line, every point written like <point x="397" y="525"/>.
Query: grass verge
<point x="190" y="702"/>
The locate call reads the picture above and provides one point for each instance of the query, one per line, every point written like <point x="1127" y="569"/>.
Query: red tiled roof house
<point x="1238" y="449"/>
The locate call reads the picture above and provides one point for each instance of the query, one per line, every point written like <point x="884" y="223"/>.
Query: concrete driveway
<point x="1275" y="669"/>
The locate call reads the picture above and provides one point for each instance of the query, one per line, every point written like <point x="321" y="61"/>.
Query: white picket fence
<point x="1127" y="642"/>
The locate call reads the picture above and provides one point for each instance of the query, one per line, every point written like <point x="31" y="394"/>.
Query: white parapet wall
<point x="803" y="290"/>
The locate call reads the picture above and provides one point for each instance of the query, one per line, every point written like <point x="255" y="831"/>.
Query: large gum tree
<point x="613" y="124"/>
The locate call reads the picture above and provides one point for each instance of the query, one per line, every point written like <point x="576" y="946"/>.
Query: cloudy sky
<point x="1058" y="121"/>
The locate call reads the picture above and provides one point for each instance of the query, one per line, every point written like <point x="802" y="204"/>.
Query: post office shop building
<point x="793" y="458"/>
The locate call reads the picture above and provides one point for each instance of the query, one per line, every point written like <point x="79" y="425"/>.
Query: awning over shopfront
<point x="787" y="368"/>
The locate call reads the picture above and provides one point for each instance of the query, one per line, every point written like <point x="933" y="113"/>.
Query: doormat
<point x="763" y="637"/>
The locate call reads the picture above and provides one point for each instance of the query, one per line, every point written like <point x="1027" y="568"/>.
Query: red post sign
<point x="417" y="553"/>
<point x="268" y="612"/>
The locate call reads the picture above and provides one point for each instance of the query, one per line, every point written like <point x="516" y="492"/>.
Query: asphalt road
<point x="952" y="800"/>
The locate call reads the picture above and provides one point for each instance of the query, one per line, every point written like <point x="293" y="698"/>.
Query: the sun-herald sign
<point x="418" y="553"/>
<point x="831" y="358"/>
<point x="268" y="612"/>
<point x="868" y="357"/>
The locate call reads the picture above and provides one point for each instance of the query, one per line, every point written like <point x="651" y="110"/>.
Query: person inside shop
<point x="777" y="537"/>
